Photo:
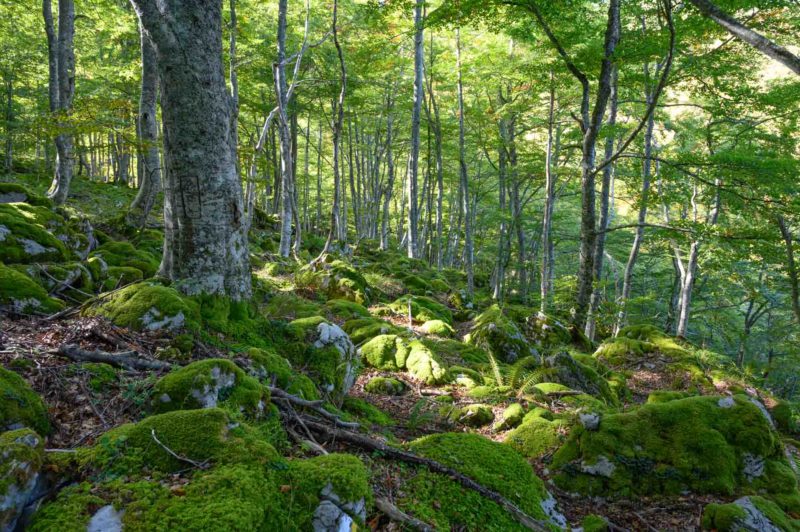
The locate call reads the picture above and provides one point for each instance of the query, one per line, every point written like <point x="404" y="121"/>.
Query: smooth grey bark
<point x="605" y="212"/>
<point x="791" y="266"/>
<point x="745" y="34"/>
<point x="390" y="170"/>
<point x="644" y="196"/>
<point x="285" y="135"/>
<point x="546" y="281"/>
<point x="9" y="151"/>
<point x="419" y="68"/>
<point x="338" y="122"/>
<point x="147" y="131"/>
<point x="462" y="163"/>
<point x="61" y="63"/>
<point x="205" y="238"/>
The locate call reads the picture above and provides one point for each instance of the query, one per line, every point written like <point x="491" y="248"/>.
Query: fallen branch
<point x="125" y="359"/>
<point x="396" y="514"/>
<point x="198" y="465"/>
<point x="370" y="444"/>
<point x="316" y="406"/>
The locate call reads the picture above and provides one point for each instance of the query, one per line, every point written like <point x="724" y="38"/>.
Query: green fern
<point x="519" y="369"/>
<point x="498" y="374"/>
<point x="535" y="377"/>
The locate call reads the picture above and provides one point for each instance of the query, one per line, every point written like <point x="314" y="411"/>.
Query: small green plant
<point x="419" y="415"/>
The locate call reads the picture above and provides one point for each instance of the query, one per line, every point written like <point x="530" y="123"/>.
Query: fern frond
<point x="519" y="368"/>
<point x="498" y="374"/>
<point x="536" y="377"/>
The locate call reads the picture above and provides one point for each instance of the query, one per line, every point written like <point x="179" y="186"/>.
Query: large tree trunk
<point x="205" y="244"/>
<point x="147" y="130"/>
<point x="462" y="163"/>
<point x="61" y="58"/>
<point x="419" y="67"/>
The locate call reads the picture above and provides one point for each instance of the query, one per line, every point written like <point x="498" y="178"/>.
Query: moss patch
<point x="124" y="254"/>
<point x="424" y="365"/>
<point x="20" y="294"/>
<point x="19" y="405"/>
<point x="385" y="386"/>
<point x="448" y="506"/>
<point x="387" y="352"/>
<point x="498" y="334"/>
<point x="148" y="306"/>
<point x="209" y="384"/>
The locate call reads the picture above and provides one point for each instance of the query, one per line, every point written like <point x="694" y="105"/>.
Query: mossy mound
<point x="475" y="415"/>
<point x="365" y="411"/>
<point x="30" y="233"/>
<point x="422" y="309"/>
<point x="117" y="276"/>
<point x="337" y="280"/>
<point x="345" y="310"/>
<point x="210" y="383"/>
<point x="270" y="367"/>
<point x="536" y="435"/>
<point x="570" y="372"/>
<point x="385" y="386"/>
<point x="702" y="444"/>
<point x="320" y="494"/>
<point x="325" y="352"/>
<point x="447" y="505"/>
<point x="124" y="254"/>
<point x="388" y="352"/>
<point x="363" y="329"/>
<point x="637" y="340"/>
<point x="21" y="294"/>
<point x="438" y="328"/>
<point x="203" y="436"/>
<point x="285" y="305"/>
<point x="20" y="406"/>
<point x="499" y="335"/>
<point x="75" y="275"/>
<point x="16" y="193"/>
<point x="424" y="365"/>
<point x="148" y="306"/>
<point x="21" y="458"/>
<point x="752" y="514"/>
<point x="511" y="417"/>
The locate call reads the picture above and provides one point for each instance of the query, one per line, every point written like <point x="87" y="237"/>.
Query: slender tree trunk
<point x="61" y="53"/>
<point x="205" y="241"/>
<point x="285" y="135"/>
<point x="605" y="213"/>
<point x="545" y="291"/>
<point x="419" y="69"/>
<point x="147" y="130"/>
<point x="9" y="124"/>
<point x="462" y="163"/>
<point x="791" y="265"/>
<point x="318" y="216"/>
<point x="390" y="171"/>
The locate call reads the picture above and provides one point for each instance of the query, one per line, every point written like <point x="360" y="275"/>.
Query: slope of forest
<point x="453" y="265"/>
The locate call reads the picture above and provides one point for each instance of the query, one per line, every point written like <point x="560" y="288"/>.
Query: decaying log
<point x="124" y="359"/>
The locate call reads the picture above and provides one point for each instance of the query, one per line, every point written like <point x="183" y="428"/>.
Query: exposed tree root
<point x="125" y="359"/>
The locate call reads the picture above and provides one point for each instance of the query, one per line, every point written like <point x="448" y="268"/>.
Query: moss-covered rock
<point x="117" y="276"/>
<point x="366" y="411"/>
<point x="124" y="254"/>
<point x="573" y="374"/>
<point x="338" y="280"/>
<point x="270" y="367"/>
<point x="511" y="417"/>
<point x="498" y="334"/>
<point x="203" y="436"/>
<point x="537" y="435"/>
<point x="438" y="328"/>
<point x="424" y="365"/>
<point x="447" y="505"/>
<point x="475" y="415"/>
<point x="388" y="352"/>
<point x="16" y="193"/>
<point x="329" y="354"/>
<point x="21" y="458"/>
<point x="211" y="383"/>
<point x="31" y="233"/>
<point x="703" y="444"/>
<point x="751" y="514"/>
<point x="286" y="305"/>
<point x="21" y="294"/>
<point x="422" y="309"/>
<point x="594" y="523"/>
<point x="345" y="310"/>
<point x="363" y="329"/>
<point x="546" y="332"/>
<point x="148" y="306"/>
<point x="74" y="275"/>
<point x="385" y="386"/>
<point x="20" y="406"/>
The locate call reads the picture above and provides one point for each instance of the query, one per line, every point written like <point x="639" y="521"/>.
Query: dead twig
<point x="396" y="514"/>
<point x="316" y="406"/>
<point x="125" y="359"/>
<point x="198" y="465"/>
